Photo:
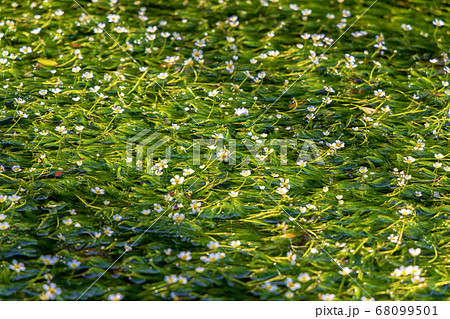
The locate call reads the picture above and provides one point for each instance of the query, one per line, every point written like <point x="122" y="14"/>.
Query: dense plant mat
<point x="361" y="87"/>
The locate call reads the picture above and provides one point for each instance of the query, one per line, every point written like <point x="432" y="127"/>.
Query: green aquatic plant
<point x="224" y="150"/>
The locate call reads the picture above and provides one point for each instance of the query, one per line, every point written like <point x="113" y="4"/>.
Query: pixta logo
<point x="143" y="142"/>
<point x="143" y="147"/>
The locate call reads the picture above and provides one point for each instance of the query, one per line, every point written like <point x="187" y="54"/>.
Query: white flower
<point x="223" y="155"/>
<point x="177" y="180"/>
<point x="188" y="171"/>
<point x="79" y="129"/>
<point x="213" y="93"/>
<point x="49" y="260"/>
<point x="213" y="245"/>
<point x="306" y="12"/>
<point x="115" y="297"/>
<point x="291" y="284"/>
<point x="405" y="211"/>
<point x="200" y="43"/>
<point x="419" y="146"/>
<point x="212" y="257"/>
<point x="379" y="93"/>
<point x="393" y="238"/>
<point x="406" y="27"/>
<point x="4" y="225"/>
<point x="25" y="50"/>
<point x="346" y="13"/>
<point x="196" y="206"/>
<point x="233" y="21"/>
<point x="67" y="221"/>
<point x="301" y="163"/>
<point x="303" y="277"/>
<point x="14" y="198"/>
<point x="291" y="257"/>
<point x="197" y="54"/>
<point x="414" y="252"/>
<point x="74" y="263"/>
<point x="409" y="160"/>
<point x="182" y="280"/>
<point x="19" y="100"/>
<point x="327" y="100"/>
<point x="94" y="89"/>
<point x="51" y="290"/>
<point x="246" y="173"/>
<point x="289" y="294"/>
<point x="345" y="271"/>
<point x="269" y="286"/>
<point x="87" y="75"/>
<point x="61" y="129"/>
<point x="363" y="169"/>
<point x="97" y="190"/>
<point x="113" y="18"/>
<point x="185" y="255"/>
<point x="328" y="297"/>
<point x="417" y="279"/>
<point x="438" y="23"/>
<point x="17" y="266"/>
<point x="235" y="243"/>
<point x="163" y="76"/>
<point x="240" y="111"/>
<point x="178" y="217"/>
<point x="171" y="279"/>
<point x="200" y="269"/>
<point x="414" y="270"/>
<point x="117" y="109"/>
<point x="282" y="190"/>
<point x="233" y="194"/>
<point x="285" y="183"/>
<point x="108" y="231"/>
